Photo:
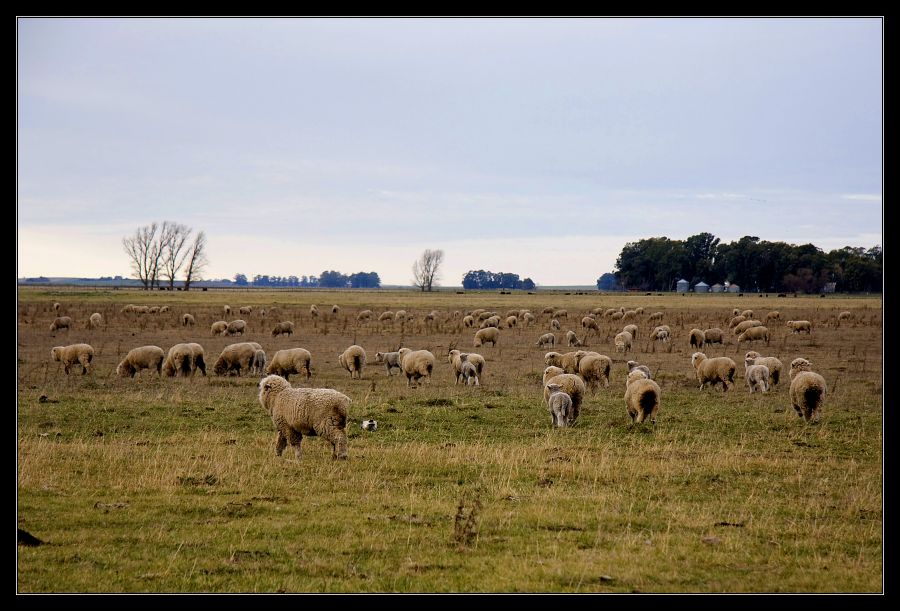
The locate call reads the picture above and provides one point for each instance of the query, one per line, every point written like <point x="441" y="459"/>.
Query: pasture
<point x="172" y="484"/>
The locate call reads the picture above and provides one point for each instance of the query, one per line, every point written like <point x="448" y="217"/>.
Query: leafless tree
<point x="143" y="250"/>
<point x="426" y="269"/>
<point x="173" y="238"/>
<point x="196" y="260"/>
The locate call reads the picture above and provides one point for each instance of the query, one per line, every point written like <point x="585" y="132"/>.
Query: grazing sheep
<point x="594" y="369"/>
<point x="655" y="316"/>
<point x="335" y="309"/>
<point x="364" y="316"/>
<point x="714" y="336"/>
<point x="698" y="338"/>
<point x="527" y="319"/>
<point x="747" y="324"/>
<point x="389" y="359"/>
<point x="773" y="364"/>
<point x="457" y="358"/>
<point x="95" y="321"/>
<point x="617" y="315"/>
<point x="748" y="314"/>
<point x="245" y="310"/>
<point x="258" y="365"/>
<point x="184" y="360"/>
<point x="142" y="309"/>
<point x="553" y="358"/>
<point x="283" y="328"/>
<point x="188" y="320"/>
<point x="163" y="309"/>
<point x="714" y="370"/>
<point x="641" y="397"/>
<point x="551" y="372"/>
<point x="290" y="361"/>
<point x="154" y="310"/>
<point x="571" y="339"/>
<point x="511" y="321"/>
<point x="128" y="309"/>
<point x="753" y="334"/>
<point x="226" y="310"/>
<point x="623" y="342"/>
<point x="561" y="314"/>
<point x="631" y="329"/>
<point x="219" y="327"/>
<point x="353" y="359"/>
<point x="312" y="412"/>
<point x="736" y="321"/>
<point x="485" y="315"/>
<point x="560" y="405"/>
<point x="554" y="325"/>
<point x="491" y="321"/>
<point x="773" y="315"/>
<point x="548" y="310"/>
<point x="569" y="361"/>
<point x="633" y="365"/>
<point x="845" y="316"/>
<point x="736" y="312"/>
<point x="588" y="322"/>
<point x="61" y="322"/>
<point x="56" y="307"/>
<point x="400" y="316"/>
<point x="386" y="318"/>
<point x="236" y="327"/>
<point x="660" y="334"/>
<point x="757" y="378"/>
<point x="629" y="314"/>
<point x="262" y="313"/>
<point x="597" y="311"/>
<point x="468" y="321"/>
<point x="314" y="311"/>
<point x="145" y="357"/>
<point x="416" y="364"/>
<point x="640" y="311"/>
<point x="81" y="354"/>
<point x="483" y="336"/>
<point x="807" y="390"/>
<point x="573" y="386"/>
<point x="547" y="340"/>
<point x="469" y="373"/>
<point x="236" y="357"/>
<point x="796" y="326"/>
<point x="609" y="312"/>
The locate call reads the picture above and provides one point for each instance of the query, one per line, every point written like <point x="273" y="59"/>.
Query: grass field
<point x="171" y="485"/>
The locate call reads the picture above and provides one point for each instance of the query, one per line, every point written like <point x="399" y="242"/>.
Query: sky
<point x="533" y="146"/>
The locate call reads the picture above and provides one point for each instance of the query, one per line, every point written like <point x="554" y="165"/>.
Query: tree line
<point x="480" y="279"/>
<point x="656" y="264"/>
<point x="162" y="250"/>
<point x="327" y="279"/>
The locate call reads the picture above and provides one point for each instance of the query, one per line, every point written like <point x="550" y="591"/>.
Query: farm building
<point x="701" y="287"/>
<point x="682" y="286"/>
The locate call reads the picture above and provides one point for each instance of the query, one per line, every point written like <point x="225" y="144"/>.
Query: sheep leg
<point x="280" y="443"/>
<point x="294" y="439"/>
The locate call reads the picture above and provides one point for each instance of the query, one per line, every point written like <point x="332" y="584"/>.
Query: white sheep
<point x="773" y="364"/>
<point x="60" y="322"/>
<point x="219" y="327"/>
<point x="416" y="364"/>
<point x="245" y="310"/>
<point x="236" y="327"/>
<point x="629" y="315"/>
<point x="594" y="369"/>
<point x="623" y="342"/>
<point x="748" y="314"/>
<point x="400" y="316"/>
<point x="295" y="412"/>
<point x="573" y="386"/>
<point x="511" y="321"/>
<point x="468" y="321"/>
<point x="757" y="378"/>
<point x="571" y="339"/>
<point x="560" y="406"/>
<point x="561" y="314"/>
<point x="714" y="370"/>
<point x="489" y="335"/>
<point x="153" y="310"/>
<point x="335" y="309"/>
<point x="655" y="316"/>
<point x="633" y="329"/>
<point x="137" y="359"/>
<point x="796" y="326"/>
<point x="314" y="311"/>
<point x="547" y="340"/>
<point x="94" y="321"/>
<point x="364" y="316"/>
<point x="642" y="397"/>
<point x="81" y="354"/>
<point x="291" y="361"/>
<point x="527" y="319"/>
<point x="736" y="320"/>
<point x="236" y="357"/>
<point x="554" y="325"/>
<point x="714" y="336"/>
<point x="491" y="321"/>
<point x="469" y="373"/>
<point x="747" y="324"/>
<point x="184" y="360"/>
<point x="56" y="307"/>
<point x="807" y="390"/>
<point x="553" y="358"/>
<point x="753" y="334"/>
<point x="698" y="338"/>
<point x="845" y="315"/>
<point x="773" y="315"/>
<point x="551" y="371"/>
<point x="353" y="359"/>
<point x="226" y="310"/>
<point x="188" y="320"/>
<point x="163" y="309"/>
<point x="660" y="334"/>
<point x="283" y="328"/>
<point x="457" y="358"/>
<point x="589" y="323"/>
<point x="390" y="360"/>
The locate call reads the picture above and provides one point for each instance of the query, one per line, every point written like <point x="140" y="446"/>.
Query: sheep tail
<point x="812" y="395"/>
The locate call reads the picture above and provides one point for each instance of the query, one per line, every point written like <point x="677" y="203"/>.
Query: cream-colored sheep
<point x="386" y="317"/>
<point x="353" y="359"/>
<point x="258" y="365"/>
<point x="527" y="319"/>
<point x="569" y="361"/>
<point x="553" y="358"/>
<point x="314" y="311"/>
<point x="389" y="359"/>
<point x="623" y="342"/>
<point x="551" y="371"/>
<point x="753" y="334"/>
<point x="571" y="339"/>
<point x="154" y="310"/>
<point x="757" y="378"/>
<point x="236" y="327"/>
<point x="629" y="315"/>
<point x="633" y="329"/>
<point x="511" y="322"/>
<point x="845" y="315"/>
<point x="736" y="321"/>
<point x="714" y="370"/>
<point x="609" y="312"/>
<point x="748" y="314"/>
<point x="560" y="405"/>
<point x="137" y="359"/>
<point x="416" y="364"/>
<point x="548" y="310"/>
<point x="60" y="322"/>
<point x="714" y="336"/>
<point x="655" y="316"/>
<point x="188" y="320"/>
<point x="573" y="386"/>
<point x="747" y="324"/>
<point x="468" y="321"/>
<point x="226" y="310"/>
<point x="291" y="361"/>
<point x="400" y="316"/>
<point x="634" y="365"/>
<point x="335" y="309"/>
<point x="489" y="335"/>
<point x="594" y="369"/>
<point x="808" y="390"/>
<point x="588" y="323"/>
<point x="184" y="360"/>
<point x="56" y="307"/>
<point x="660" y="334"/>
<point x="561" y="314"/>
<point x="554" y="325"/>
<point x="698" y="338"/>
<point x="547" y="340"/>
<point x="736" y="312"/>
<point x="619" y="315"/>
<point x="81" y="354"/>
<point x="491" y="321"/>
<point x="773" y="364"/>
<point x="796" y="326"/>
<point x="283" y="328"/>
<point x="163" y="309"/>
<point x="235" y="358"/>
<point x="314" y="412"/>
<point x="642" y="397"/>
<point x="485" y="315"/>
<point x="245" y="310"/>
<point x="364" y="316"/>
<point x="95" y="321"/>
<point x="219" y="327"/>
<point x="773" y="315"/>
<point x="128" y="309"/>
<point x="457" y="358"/>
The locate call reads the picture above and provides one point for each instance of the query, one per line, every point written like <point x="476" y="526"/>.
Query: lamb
<point x="416" y="364"/>
<point x="560" y="405"/>
<point x="61" y="322"/>
<point x="698" y="338"/>
<point x="554" y="325"/>
<point x="457" y="358"/>
<point x="807" y="390"/>
<point x="641" y="397"/>
<point x="184" y="360"/>
<point x="219" y="327"/>
<point x="81" y="354"/>
<point x="245" y="310"/>
<point x="571" y="339"/>
<point x="623" y="342"/>
<point x="633" y="365"/>
<point x="660" y="334"/>
<point x="188" y="320"/>
<point x="95" y="321"/>
<point x="283" y="328"/>
<point x="796" y="326"/>
<point x="390" y="360"/>
<point x="774" y="365"/>
<point x="753" y="334"/>
<point x="714" y="370"/>
<point x="236" y="357"/>
<point x="757" y="378"/>
<point x="312" y="412"/>
<point x="594" y="369"/>
<point x="353" y="359"/>
<point x="258" y="365"/>
<point x="314" y="311"/>
<point x="483" y="336"/>
<point x="573" y="386"/>
<point x="290" y="361"/>
<point x="714" y="336"/>
<point x="469" y="373"/>
<point x="747" y="324"/>
<point x="236" y="327"/>
<point x="137" y="359"/>
<point x="631" y="329"/>
<point x="546" y="340"/>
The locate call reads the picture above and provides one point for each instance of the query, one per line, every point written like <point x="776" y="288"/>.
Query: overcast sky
<point x="538" y="147"/>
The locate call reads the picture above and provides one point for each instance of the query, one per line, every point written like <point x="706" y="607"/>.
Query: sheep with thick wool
<point x="572" y="339"/>
<point x="589" y="323"/>
<point x="236" y="358"/>
<point x="845" y="315"/>
<point x="335" y="309"/>
<point x="527" y="319"/>
<point x="468" y="321"/>
<point x="655" y="316"/>
<point x="290" y="361"/>
<point x="642" y="397"/>
<point x="313" y="412"/>
<point x="258" y="365"/>
<point x="773" y="315"/>
<point x="488" y="335"/>
<point x="807" y="390"/>
<point x="511" y="322"/>
<point x="714" y="336"/>
<point x="772" y="363"/>
<point x="623" y="342"/>
<point x="219" y="327"/>
<point x="138" y="359"/>
<point x="60" y="322"/>
<point x="457" y="358"/>
<point x="660" y="334"/>
<point x="313" y="311"/>
<point x="560" y="405"/>
<point x="554" y="325"/>
<point x="283" y="328"/>
<point x="188" y="320"/>
<point x="753" y="334"/>
<point x="364" y="316"/>
<point x="594" y="369"/>
<point x="416" y="364"/>
<point x="390" y="360"/>
<point x="634" y="365"/>
<point x="551" y="371"/>
<point x="633" y="329"/>
<point x="713" y="370"/>
<point x="547" y="340"/>
<point x="757" y="378"/>
<point x="553" y="358"/>
<point x="697" y="339"/>
<point x="490" y="321"/>
<point x="797" y="326"/>
<point x="561" y="314"/>
<point x="94" y="321"/>
<point x="76" y="354"/>
<point x="736" y="320"/>
<point x="747" y="324"/>
<point x="226" y="310"/>
<point x="184" y="360"/>
<point x="236" y="327"/>
<point x="353" y="359"/>
<point x="573" y="386"/>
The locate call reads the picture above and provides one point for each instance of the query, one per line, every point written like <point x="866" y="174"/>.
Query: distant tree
<point x="333" y="279"/>
<point x="240" y="280"/>
<point x="426" y="269"/>
<point x="173" y="238"/>
<point x="363" y="280"/>
<point x="143" y="251"/>
<point x="196" y="260"/>
<point x="607" y="282"/>
<point x="528" y="284"/>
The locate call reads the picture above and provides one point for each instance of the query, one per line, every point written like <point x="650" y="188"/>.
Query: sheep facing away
<point x="807" y="390"/>
<point x="634" y="365"/>
<point x="573" y="386"/>
<point x="353" y="359"/>
<point x="757" y="378"/>
<point x="138" y="359"/>
<point x="291" y="361"/>
<point x="594" y="368"/>
<point x="698" y="338"/>
<point x="713" y="370"/>
<point x="312" y="412"/>
<point x="641" y="397"/>
<point x="258" y="364"/>
<point x="81" y="354"/>
<point x="754" y="358"/>
<point x="416" y="364"/>
<point x="184" y="360"/>
<point x="469" y="373"/>
<point x="188" y="320"/>
<point x="560" y="406"/>
<point x="390" y="360"/>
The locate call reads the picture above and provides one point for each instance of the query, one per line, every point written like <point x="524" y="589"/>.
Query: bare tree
<point x="427" y="268"/>
<point x="142" y="249"/>
<point x="173" y="238"/>
<point x="196" y="260"/>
